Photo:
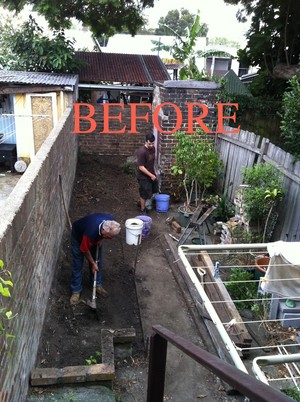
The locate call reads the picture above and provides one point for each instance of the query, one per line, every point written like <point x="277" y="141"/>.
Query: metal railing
<point x="248" y="386"/>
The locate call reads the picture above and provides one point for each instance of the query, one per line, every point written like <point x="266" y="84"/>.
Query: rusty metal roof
<point x="35" y="78"/>
<point x="121" y="68"/>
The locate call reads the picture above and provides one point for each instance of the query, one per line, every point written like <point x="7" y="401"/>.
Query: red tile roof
<point x="121" y="68"/>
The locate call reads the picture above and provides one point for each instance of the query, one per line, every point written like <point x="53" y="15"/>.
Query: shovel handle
<point x="94" y="285"/>
<point x="95" y="275"/>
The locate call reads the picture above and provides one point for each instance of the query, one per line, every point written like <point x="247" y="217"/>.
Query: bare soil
<point x="72" y="334"/>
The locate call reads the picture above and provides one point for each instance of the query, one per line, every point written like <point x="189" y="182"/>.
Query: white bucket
<point x="134" y="229"/>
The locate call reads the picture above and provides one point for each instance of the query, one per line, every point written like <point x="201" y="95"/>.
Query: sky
<point x="219" y="17"/>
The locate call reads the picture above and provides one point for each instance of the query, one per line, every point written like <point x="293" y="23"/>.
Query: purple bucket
<point x="147" y="222"/>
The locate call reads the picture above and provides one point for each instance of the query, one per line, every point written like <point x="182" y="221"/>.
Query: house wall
<point x="31" y="227"/>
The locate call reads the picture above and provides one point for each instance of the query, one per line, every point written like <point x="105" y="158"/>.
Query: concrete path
<point x="161" y="302"/>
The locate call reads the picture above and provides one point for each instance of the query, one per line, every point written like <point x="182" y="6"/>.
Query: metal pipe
<point x="117" y="87"/>
<point x="247" y="246"/>
<point x="273" y="359"/>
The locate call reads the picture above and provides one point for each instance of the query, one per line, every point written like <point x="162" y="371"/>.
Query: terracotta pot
<point x="262" y="264"/>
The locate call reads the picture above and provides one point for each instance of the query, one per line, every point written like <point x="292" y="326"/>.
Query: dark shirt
<point x="86" y="230"/>
<point x="145" y="157"/>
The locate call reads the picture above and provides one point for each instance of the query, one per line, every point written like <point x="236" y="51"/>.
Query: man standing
<point x="146" y="172"/>
<point x="87" y="235"/>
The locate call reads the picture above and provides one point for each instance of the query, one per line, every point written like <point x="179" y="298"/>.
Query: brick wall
<point x="114" y="144"/>
<point x="31" y="228"/>
<point x="176" y="92"/>
<point x="180" y="93"/>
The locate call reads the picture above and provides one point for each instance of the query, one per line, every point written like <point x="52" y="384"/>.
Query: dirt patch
<point x="72" y="334"/>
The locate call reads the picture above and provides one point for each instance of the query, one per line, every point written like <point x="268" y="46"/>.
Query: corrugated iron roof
<point x="123" y="68"/>
<point x="30" y="78"/>
<point x="234" y="85"/>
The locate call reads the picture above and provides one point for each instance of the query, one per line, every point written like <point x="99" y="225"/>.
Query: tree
<point x="223" y="41"/>
<point x="178" y="21"/>
<point x="197" y="163"/>
<point x="183" y="50"/>
<point x="27" y="49"/>
<point x="101" y="16"/>
<point x="273" y="40"/>
<point x="290" y="124"/>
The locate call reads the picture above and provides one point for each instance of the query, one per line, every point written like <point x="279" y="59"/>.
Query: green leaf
<point x="9" y="314"/>
<point x="4" y="291"/>
<point x="9" y="283"/>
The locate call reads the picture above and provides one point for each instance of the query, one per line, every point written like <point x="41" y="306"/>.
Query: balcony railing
<point x="248" y="386"/>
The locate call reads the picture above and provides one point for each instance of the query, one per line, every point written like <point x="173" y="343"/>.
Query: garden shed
<point x="31" y="105"/>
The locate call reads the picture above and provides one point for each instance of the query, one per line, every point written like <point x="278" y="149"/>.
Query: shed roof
<point x="36" y="78"/>
<point x="234" y="85"/>
<point x="123" y="68"/>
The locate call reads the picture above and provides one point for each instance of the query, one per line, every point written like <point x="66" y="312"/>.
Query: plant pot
<point x="261" y="264"/>
<point x="185" y="215"/>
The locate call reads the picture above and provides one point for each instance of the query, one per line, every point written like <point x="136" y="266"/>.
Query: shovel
<point x="92" y="303"/>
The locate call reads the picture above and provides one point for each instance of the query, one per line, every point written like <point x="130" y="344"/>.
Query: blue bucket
<point x="162" y="202"/>
<point x="147" y="222"/>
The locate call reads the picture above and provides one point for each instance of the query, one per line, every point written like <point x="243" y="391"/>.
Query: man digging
<point x="88" y="233"/>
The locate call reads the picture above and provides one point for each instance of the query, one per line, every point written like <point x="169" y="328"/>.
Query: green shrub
<point x="240" y="288"/>
<point x="261" y="179"/>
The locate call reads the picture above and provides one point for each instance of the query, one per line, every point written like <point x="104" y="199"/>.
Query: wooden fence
<point x="245" y="149"/>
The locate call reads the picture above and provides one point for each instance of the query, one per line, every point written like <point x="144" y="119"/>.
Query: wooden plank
<point x="192" y="298"/>
<point x="224" y="295"/>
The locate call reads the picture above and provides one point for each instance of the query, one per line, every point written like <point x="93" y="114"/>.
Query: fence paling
<point x="240" y="151"/>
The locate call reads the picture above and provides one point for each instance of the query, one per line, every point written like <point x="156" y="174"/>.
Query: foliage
<point x="183" y="50"/>
<point x="5" y="314"/>
<point x="179" y="21"/>
<point x="251" y="116"/>
<point x="102" y="17"/>
<point x="241" y="286"/>
<point x="224" y="209"/>
<point x="196" y="162"/>
<point x="290" y="123"/>
<point x="273" y="37"/>
<point x="240" y="235"/>
<point x="223" y="41"/>
<point x="28" y="49"/>
<point x="274" y="33"/>
<point x="272" y="198"/>
<point x="261" y="179"/>
<point x="292" y="392"/>
<point x="93" y="359"/>
<point x="266" y="87"/>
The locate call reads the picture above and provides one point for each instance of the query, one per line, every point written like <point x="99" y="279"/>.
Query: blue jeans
<point x="77" y="266"/>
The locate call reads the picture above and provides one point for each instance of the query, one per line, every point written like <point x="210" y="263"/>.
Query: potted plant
<point x="224" y="209"/>
<point x="197" y="163"/>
